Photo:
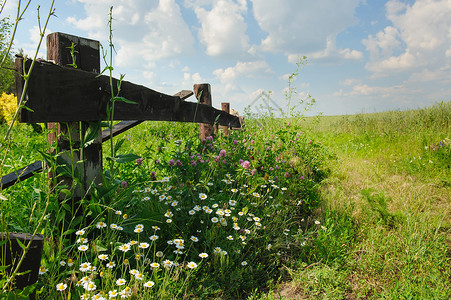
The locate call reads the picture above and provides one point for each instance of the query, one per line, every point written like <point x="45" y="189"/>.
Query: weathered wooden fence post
<point x="203" y="91"/>
<point x="225" y="106"/>
<point x="11" y="251"/>
<point x="86" y="54"/>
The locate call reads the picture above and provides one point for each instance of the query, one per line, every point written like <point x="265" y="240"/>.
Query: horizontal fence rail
<point x="62" y="96"/>
<point x="37" y="167"/>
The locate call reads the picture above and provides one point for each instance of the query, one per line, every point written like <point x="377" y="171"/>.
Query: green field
<point x="342" y="207"/>
<point x="387" y="206"/>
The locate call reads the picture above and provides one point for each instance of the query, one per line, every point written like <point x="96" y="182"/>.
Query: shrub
<point x="8" y="106"/>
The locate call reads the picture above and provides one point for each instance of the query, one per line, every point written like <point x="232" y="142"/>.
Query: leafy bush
<point x="8" y="106"/>
<point x="189" y="218"/>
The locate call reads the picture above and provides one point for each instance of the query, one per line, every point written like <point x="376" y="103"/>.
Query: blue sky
<point x="362" y="55"/>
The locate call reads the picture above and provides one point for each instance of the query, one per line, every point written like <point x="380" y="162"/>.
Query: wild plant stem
<point x="111" y="114"/>
<point x="22" y="100"/>
<point x="27" y="247"/>
<point x="18" y="18"/>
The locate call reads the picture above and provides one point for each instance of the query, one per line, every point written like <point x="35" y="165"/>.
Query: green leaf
<point x="65" y="192"/>
<point x="122" y="99"/>
<point x="217" y="118"/>
<point x="21" y="244"/>
<point x="105" y="69"/>
<point x="118" y="145"/>
<point x="77" y="221"/>
<point x="245" y="210"/>
<point x="99" y="247"/>
<point x="27" y="108"/>
<point x="2" y="268"/>
<point x="125" y="158"/>
<point x="68" y="232"/>
<point x="92" y="133"/>
<point x="66" y="206"/>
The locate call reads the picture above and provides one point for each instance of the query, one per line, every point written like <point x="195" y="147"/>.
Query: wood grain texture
<point x="60" y="94"/>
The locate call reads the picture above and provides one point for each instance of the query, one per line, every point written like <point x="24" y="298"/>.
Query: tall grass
<point x="386" y="208"/>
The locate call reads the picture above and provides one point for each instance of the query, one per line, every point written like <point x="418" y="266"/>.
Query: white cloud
<point x="333" y="54"/>
<point x="223" y="28"/>
<point x="299" y="26"/>
<point x="30" y="46"/>
<point x="190" y="79"/>
<point x="421" y="29"/>
<point x="142" y="29"/>
<point x="379" y="91"/>
<point x="383" y="44"/>
<point x="246" y="69"/>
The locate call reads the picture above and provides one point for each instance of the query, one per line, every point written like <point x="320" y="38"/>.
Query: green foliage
<point x="385" y="221"/>
<point x="277" y="189"/>
<point x="378" y="206"/>
<point x="6" y="69"/>
<point x="8" y="106"/>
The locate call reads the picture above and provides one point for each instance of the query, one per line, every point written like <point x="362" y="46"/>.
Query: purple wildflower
<point x="246" y="164"/>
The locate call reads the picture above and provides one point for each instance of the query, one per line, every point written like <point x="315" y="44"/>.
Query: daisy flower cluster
<point x="200" y="209"/>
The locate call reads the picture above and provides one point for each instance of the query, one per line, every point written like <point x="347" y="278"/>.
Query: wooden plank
<point x="60" y="94"/>
<point x="203" y="95"/>
<point x="184" y="94"/>
<point x="119" y="128"/>
<point x="11" y="252"/>
<point x="21" y="174"/>
<point x="86" y="51"/>
<point x="87" y="58"/>
<point x="126" y="125"/>
<point x="225" y="106"/>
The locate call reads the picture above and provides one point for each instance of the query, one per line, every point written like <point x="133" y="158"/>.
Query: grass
<point x="365" y="214"/>
<point x="188" y="219"/>
<point x="386" y="206"/>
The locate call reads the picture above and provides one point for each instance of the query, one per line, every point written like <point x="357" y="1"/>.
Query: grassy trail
<point x="387" y="210"/>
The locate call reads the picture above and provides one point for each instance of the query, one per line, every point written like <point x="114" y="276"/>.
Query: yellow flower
<point x="8" y="106"/>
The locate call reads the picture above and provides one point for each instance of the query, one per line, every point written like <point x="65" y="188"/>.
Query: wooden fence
<point x="69" y="100"/>
<point x="62" y="96"/>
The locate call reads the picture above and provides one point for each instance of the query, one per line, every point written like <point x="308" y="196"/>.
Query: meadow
<point x="386" y="204"/>
<point x="344" y="207"/>
<point x="187" y="218"/>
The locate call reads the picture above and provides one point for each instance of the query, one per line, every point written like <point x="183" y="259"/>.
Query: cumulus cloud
<point x="418" y="38"/>
<point x="190" y="79"/>
<point x="247" y="69"/>
<point x="142" y="29"/>
<point x="233" y="78"/>
<point x="331" y="54"/>
<point x="223" y="28"/>
<point x="295" y="26"/>
<point x="383" y="43"/>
